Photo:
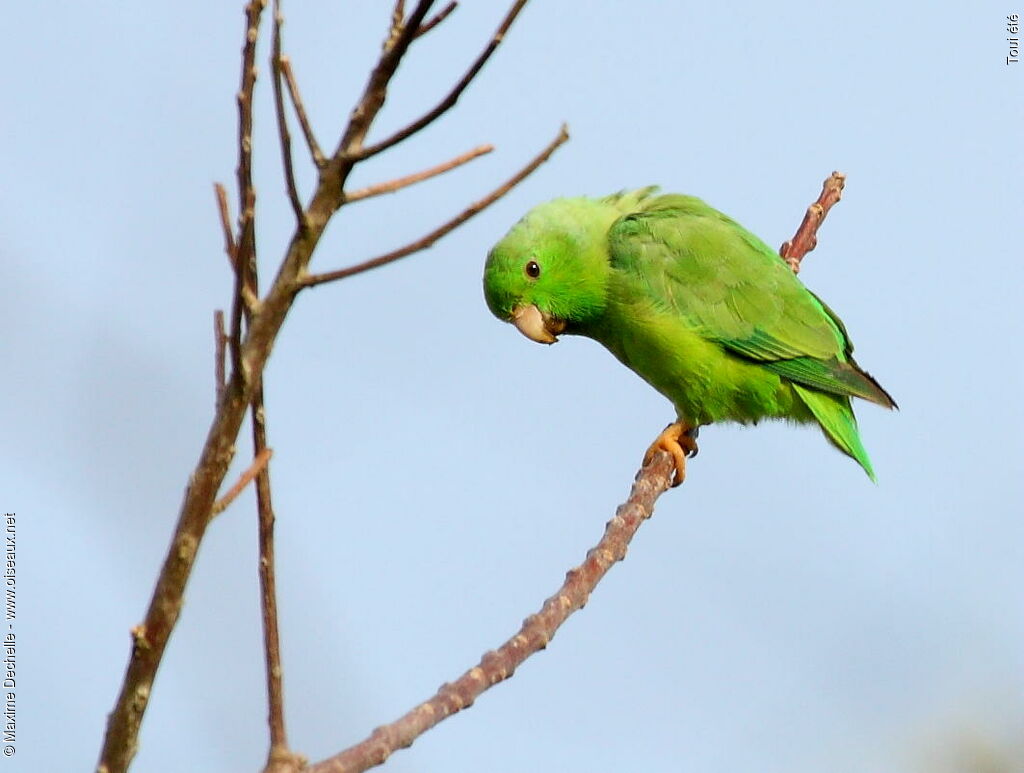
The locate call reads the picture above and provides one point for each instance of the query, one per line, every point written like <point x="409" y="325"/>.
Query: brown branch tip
<point x="806" y="237"/>
<point x="312" y="280"/>
<point x="403" y="182"/>
<point x="441" y="15"/>
<point x="223" y="210"/>
<point x="300" y="111"/>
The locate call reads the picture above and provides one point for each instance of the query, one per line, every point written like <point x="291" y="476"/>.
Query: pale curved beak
<point x="536" y="325"/>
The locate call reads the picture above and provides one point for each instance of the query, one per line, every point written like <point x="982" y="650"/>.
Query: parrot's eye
<point x="533" y="269"/>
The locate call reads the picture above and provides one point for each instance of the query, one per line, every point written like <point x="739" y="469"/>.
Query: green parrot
<point x="693" y="303"/>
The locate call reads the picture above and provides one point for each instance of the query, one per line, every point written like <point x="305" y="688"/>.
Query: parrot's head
<point x="550" y="272"/>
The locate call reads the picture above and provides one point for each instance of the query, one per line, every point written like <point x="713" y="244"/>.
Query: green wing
<point x="735" y="290"/>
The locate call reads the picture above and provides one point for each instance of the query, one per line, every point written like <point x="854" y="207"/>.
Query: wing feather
<point x="734" y="290"/>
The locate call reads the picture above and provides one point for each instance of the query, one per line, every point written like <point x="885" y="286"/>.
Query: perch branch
<point x="300" y="111"/>
<point x="439" y="17"/>
<point x="453" y="96"/>
<point x="423" y="243"/>
<point x="403" y="182"/>
<point x="537" y="630"/>
<point x="806" y="237"/>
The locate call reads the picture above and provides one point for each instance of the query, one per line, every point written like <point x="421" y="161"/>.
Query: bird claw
<point x="680" y="441"/>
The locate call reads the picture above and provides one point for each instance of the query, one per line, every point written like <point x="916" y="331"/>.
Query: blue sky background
<point x="435" y="473"/>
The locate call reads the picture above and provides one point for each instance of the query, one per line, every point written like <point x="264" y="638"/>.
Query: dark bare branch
<point x="246" y="194"/>
<point x="279" y="756"/>
<point x="806" y="237"/>
<point x="225" y="223"/>
<point x="300" y="111"/>
<point x="439" y="17"/>
<point x="282" y="120"/>
<point x="254" y="327"/>
<point x="120" y="741"/>
<point x="452" y="97"/>
<point x="403" y="182"/>
<point x="424" y="242"/>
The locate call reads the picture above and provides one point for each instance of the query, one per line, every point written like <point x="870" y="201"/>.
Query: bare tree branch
<point x="534" y="635"/>
<point x="806" y="237"/>
<point x="300" y="112"/>
<point x="255" y="324"/>
<point x="220" y="339"/>
<point x="439" y="17"/>
<point x="282" y="119"/>
<point x="225" y="224"/>
<point x="453" y="96"/>
<point x="279" y="754"/>
<point x="403" y="182"/>
<point x="350" y="145"/>
<point x="244" y="480"/>
<point x="424" y="242"/>
<point x="148" y="643"/>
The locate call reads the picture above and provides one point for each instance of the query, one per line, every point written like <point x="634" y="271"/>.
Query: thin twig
<point x="439" y="17"/>
<point x="403" y="182"/>
<point x="453" y="96"/>
<point x="806" y="237"/>
<point x="246" y="194"/>
<point x="282" y="119"/>
<point x="244" y="480"/>
<point x="225" y="223"/>
<point x="312" y="280"/>
<point x="300" y="111"/>
<point x="280" y="756"/>
<point x="534" y="635"/>
<point x="245" y="265"/>
<point x="220" y="340"/>
<point x="243" y="295"/>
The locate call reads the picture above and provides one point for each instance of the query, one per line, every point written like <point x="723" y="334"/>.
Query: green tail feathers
<point x="836" y="418"/>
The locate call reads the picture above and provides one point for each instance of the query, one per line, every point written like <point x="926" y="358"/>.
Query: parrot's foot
<point x="680" y="441"/>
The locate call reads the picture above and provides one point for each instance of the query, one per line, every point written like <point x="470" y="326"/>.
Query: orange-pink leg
<point x="677" y="440"/>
